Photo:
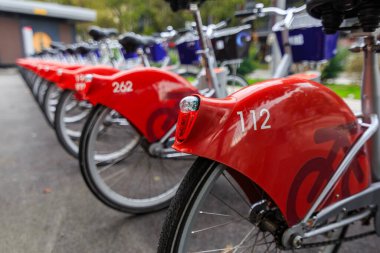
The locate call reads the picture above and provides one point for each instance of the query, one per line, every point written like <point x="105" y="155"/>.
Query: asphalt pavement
<point x="45" y="205"/>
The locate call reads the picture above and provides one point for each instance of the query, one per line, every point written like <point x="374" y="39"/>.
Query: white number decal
<point x="80" y="82"/>
<point x="264" y="125"/>
<point x="123" y="87"/>
<point x="254" y="120"/>
<point x="241" y="121"/>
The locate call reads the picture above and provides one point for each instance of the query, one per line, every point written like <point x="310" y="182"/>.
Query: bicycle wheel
<point x="70" y="117"/>
<point x="119" y="169"/>
<point x="50" y="102"/>
<point x="41" y="92"/>
<point x="36" y="85"/>
<point x="235" y="83"/>
<point x="211" y="213"/>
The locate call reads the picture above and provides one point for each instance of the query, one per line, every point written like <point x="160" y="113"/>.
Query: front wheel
<point x="212" y="213"/>
<point x="50" y="103"/>
<point x="118" y="168"/>
<point x="235" y="83"/>
<point x="70" y="117"/>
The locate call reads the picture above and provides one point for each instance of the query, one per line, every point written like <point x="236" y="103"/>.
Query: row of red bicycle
<point x="280" y="165"/>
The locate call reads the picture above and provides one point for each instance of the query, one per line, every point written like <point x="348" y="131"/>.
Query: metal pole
<point x="371" y="99"/>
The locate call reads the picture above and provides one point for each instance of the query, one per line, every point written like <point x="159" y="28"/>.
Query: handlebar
<point x="260" y="11"/>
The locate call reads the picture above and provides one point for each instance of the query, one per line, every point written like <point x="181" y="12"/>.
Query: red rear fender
<point x="287" y="135"/>
<point x="147" y="97"/>
<point x="75" y="79"/>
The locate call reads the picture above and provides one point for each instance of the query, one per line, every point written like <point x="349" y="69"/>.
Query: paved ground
<point x="44" y="203"/>
<point x="69" y="218"/>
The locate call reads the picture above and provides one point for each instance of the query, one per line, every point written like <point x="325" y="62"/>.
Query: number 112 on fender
<point x="255" y="116"/>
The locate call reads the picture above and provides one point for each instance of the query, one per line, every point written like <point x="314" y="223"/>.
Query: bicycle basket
<point x="157" y="52"/>
<point x="188" y="46"/>
<point x="232" y="43"/>
<point x="129" y="55"/>
<point x="307" y="40"/>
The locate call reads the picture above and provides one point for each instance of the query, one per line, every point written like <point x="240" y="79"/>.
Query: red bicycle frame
<point x="147" y="97"/>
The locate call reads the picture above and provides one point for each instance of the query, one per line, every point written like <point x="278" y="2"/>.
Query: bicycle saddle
<point x="98" y="33"/>
<point x="182" y="4"/>
<point x="70" y="49"/>
<point x="84" y="48"/>
<point x="131" y="41"/>
<point x="333" y="12"/>
<point x="57" y="45"/>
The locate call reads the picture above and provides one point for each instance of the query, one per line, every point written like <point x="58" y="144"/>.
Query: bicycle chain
<point x="326" y="243"/>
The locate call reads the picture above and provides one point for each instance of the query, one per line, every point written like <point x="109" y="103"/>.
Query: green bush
<point x="335" y="66"/>
<point x="250" y="63"/>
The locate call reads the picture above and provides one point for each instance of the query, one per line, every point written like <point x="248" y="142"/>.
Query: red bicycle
<point x="284" y="164"/>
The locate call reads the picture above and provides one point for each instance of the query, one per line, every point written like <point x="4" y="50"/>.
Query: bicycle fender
<point x="147" y="97"/>
<point x="286" y="135"/>
<point x="74" y="79"/>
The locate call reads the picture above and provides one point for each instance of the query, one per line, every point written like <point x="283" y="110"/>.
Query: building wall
<point x="67" y="33"/>
<point x="10" y="41"/>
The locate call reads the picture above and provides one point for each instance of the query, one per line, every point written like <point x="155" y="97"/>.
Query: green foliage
<point x="255" y="80"/>
<point x="250" y="63"/>
<point x="346" y="91"/>
<point x="336" y="65"/>
<point x="148" y="16"/>
<point x="355" y="64"/>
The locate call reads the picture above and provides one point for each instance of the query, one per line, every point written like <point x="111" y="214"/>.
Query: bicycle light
<point x="188" y="112"/>
<point x="88" y="78"/>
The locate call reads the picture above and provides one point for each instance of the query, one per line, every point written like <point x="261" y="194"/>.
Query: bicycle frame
<point x="147" y="97"/>
<point x="305" y="127"/>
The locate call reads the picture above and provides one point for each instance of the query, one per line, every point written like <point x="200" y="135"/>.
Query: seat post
<point x="370" y="98"/>
<point x="208" y="59"/>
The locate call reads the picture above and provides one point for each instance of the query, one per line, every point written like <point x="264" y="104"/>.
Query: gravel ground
<point x="45" y="205"/>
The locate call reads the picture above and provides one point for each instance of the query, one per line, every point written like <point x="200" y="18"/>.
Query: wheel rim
<point x="218" y="220"/>
<point x="128" y="175"/>
<point x="235" y="83"/>
<point x="51" y="101"/>
<point x="72" y="118"/>
<point x="41" y="92"/>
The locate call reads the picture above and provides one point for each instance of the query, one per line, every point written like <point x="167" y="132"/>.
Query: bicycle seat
<point x="57" y="45"/>
<point x="84" y="48"/>
<point x="131" y="41"/>
<point x="52" y="51"/>
<point x="98" y="33"/>
<point x="333" y="12"/>
<point x="70" y="49"/>
<point x="177" y="5"/>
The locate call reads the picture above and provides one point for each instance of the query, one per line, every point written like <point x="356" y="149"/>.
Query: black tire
<point x="84" y="164"/>
<point x="134" y="161"/>
<point x="49" y="110"/>
<point x="35" y="86"/>
<point x="235" y="83"/>
<point x="41" y="93"/>
<point x="59" y="125"/>
<point x="181" y="208"/>
<point x="186" y="194"/>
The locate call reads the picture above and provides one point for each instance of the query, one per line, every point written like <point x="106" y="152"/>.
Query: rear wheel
<point x="235" y="83"/>
<point x="70" y="117"/>
<point x="119" y="169"/>
<point x="50" y="102"/>
<point x="211" y="213"/>
<point x="36" y="85"/>
<point x="41" y="92"/>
